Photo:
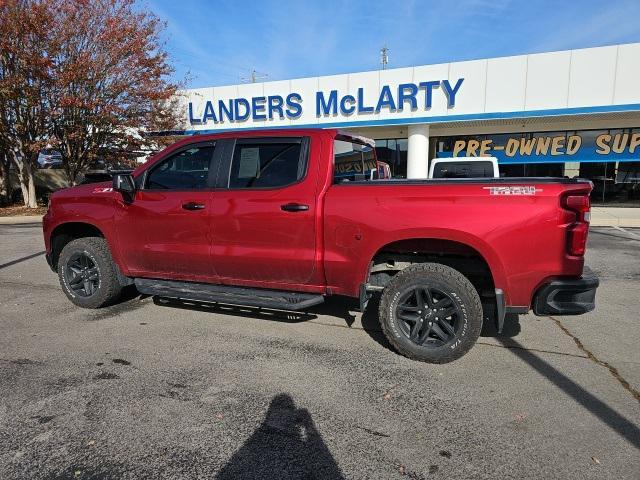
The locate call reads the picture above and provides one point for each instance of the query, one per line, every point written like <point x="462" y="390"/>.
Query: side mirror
<point x="126" y="185"/>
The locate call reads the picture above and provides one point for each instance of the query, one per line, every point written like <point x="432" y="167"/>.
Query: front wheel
<point x="431" y="312"/>
<point x="87" y="273"/>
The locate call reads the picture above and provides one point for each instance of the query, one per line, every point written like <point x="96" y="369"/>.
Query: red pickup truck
<point x="282" y="218"/>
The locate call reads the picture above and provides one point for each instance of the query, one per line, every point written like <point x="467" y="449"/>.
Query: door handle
<point x="193" y="206"/>
<point x="294" y="207"/>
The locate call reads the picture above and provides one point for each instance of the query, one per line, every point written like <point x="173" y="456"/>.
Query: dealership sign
<point x="548" y="148"/>
<point x="413" y="96"/>
<point x="542" y="85"/>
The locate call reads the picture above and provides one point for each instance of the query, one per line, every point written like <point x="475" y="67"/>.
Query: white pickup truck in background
<point x="464" y="167"/>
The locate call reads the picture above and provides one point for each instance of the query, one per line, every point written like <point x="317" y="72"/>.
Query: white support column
<point x="418" y="151"/>
<point x="572" y="169"/>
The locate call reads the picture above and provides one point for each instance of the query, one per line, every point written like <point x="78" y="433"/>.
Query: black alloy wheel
<point x="88" y="275"/>
<point x="428" y="316"/>
<point x="430" y="312"/>
<point x="82" y="275"/>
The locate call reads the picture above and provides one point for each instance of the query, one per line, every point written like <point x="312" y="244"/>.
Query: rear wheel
<point x="431" y="312"/>
<point x="87" y="273"/>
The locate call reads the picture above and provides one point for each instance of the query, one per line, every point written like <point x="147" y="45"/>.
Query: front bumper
<point x="567" y="296"/>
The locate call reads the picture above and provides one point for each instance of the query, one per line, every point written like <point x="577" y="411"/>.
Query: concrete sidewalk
<point x="615" y="217"/>
<point x="600" y="217"/>
<point x="20" y="219"/>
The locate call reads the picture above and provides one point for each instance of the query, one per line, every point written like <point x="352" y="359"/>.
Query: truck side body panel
<point x="521" y="237"/>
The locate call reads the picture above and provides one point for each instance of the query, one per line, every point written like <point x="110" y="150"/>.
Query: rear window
<point x="463" y="169"/>
<point x="353" y="161"/>
<point x="48" y="151"/>
<point x="269" y="163"/>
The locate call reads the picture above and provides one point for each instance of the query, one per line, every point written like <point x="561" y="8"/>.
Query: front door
<point x="166" y="231"/>
<point x="264" y="215"/>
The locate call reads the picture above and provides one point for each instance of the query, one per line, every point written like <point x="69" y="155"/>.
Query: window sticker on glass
<point x="249" y="163"/>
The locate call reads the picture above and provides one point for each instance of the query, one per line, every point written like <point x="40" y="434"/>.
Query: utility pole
<point x="254" y="77"/>
<point x="384" y="57"/>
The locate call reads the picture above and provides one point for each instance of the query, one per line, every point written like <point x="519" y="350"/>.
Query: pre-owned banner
<point x="586" y="146"/>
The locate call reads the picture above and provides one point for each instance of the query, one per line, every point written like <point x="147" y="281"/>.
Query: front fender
<point x="69" y="214"/>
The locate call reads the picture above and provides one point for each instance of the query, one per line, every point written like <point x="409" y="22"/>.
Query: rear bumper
<point x="567" y="296"/>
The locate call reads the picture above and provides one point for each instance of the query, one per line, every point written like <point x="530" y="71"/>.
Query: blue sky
<point x="217" y="42"/>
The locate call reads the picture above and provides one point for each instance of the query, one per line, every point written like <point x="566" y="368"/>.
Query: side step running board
<point x="204" y="292"/>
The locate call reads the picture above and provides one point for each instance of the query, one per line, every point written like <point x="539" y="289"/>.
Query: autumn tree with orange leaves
<point x="26" y="75"/>
<point x="89" y="78"/>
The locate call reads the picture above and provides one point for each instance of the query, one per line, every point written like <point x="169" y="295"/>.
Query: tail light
<point x="577" y="232"/>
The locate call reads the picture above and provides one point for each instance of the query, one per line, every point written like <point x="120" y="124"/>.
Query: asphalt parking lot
<point x="148" y="389"/>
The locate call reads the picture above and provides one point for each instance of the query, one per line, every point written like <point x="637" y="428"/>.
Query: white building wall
<point x="627" y="74"/>
<point x="547" y="81"/>
<point x="543" y="84"/>
<point x="589" y="85"/>
<point x="506" y="84"/>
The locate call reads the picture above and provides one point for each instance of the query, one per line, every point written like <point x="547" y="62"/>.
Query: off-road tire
<point x="455" y="285"/>
<point x="97" y="250"/>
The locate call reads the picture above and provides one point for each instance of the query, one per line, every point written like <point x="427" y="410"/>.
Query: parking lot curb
<point x="20" y="219"/>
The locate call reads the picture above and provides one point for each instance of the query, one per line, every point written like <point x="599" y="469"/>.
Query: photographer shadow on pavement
<point x="286" y="445"/>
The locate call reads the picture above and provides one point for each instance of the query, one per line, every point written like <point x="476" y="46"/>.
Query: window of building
<point x="614" y="183"/>
<point x="543" y="169"/>
<point x="627" y="184"/>
<point x="602" y="175"/>
<point x="393" y="152"/>
<point x="269" y="163"/>
<point x="628" y="173"/>
<point x="511" y="170"/>
<point x="186" y="170"/>
<point x="353" y="161"/>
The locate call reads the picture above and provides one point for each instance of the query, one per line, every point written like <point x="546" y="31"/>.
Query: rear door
<point x="264" y="214"/>
<point x="166" y="231"/>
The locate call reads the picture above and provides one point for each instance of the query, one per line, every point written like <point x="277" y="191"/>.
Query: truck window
<point x="353" y="161"/>
<point x="267" y="163"/>
<point x="186" y="170"/>
<point x="475" y="169"/>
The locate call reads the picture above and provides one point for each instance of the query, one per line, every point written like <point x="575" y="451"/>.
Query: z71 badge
<point x="513" y="190"/>
<point x="102" y="190"/>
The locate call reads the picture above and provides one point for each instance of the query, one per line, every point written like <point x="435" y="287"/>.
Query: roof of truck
<point x="271" y="132"/>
